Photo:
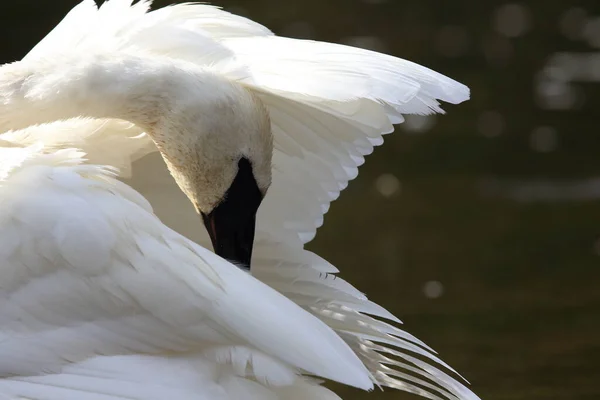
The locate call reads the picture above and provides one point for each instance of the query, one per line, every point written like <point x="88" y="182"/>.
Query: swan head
<point x="219" y="150"/>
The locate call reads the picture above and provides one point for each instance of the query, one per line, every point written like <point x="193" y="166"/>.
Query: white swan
<point x="100" y="300"/>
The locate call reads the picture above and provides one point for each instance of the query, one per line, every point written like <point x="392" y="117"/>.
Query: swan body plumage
<point x="108" y="293"/>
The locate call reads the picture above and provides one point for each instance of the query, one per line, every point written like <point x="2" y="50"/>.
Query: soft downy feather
<point x="97" y="138"/>
<point x="93" y="281"/>
<point x="144" y="377"/>
<point x="329" y="105"/>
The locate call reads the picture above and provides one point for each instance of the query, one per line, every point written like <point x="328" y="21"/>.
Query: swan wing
<point x="330" y="105"/>
<point x="145" y="377"/>
<point x="87" y="269"/>
<point x="118" y="23"/>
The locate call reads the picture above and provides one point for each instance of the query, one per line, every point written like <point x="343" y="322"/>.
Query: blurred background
<point x="480" y="229"/>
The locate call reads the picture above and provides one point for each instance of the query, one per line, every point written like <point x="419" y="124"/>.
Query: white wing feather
<point x="329" y="104"/>
<point x="88" y="269"/>
<point x="144" y="377"/>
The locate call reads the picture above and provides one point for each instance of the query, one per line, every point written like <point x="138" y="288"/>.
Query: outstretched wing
<point x="87" y="269"/>
<point x="330" y="105"/>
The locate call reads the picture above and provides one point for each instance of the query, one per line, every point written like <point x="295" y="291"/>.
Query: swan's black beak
<point x="232" y="222"/>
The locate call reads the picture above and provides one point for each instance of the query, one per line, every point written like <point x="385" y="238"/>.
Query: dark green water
<point x="496" y="201"/>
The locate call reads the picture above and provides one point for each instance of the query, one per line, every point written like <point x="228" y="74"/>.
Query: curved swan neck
<point x="201" y="122"/>
<point x="127" y="87"/>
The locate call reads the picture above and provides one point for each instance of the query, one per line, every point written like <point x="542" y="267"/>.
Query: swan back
<point x="98" y="273"/>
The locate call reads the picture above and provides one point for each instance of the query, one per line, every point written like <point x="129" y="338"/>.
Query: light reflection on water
<point x="543" y="191"/>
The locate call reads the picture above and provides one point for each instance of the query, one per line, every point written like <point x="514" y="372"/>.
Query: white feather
<point x="143" y="288"/>
<point x="329" y="105"/>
